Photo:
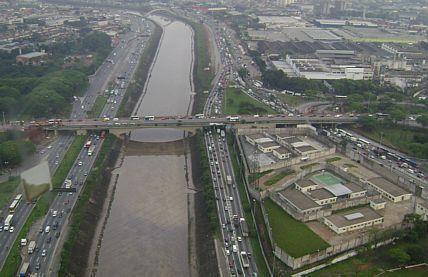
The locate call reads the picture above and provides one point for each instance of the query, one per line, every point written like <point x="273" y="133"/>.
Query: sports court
<point x="327" y="179"/>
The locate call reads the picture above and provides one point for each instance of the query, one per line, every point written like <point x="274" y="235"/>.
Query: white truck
<point x="8" y="222"/>
<point x="91" y="150"/>
<point x="229" y="180"/>
<point x="67" y="183"/>
<point x="31" y="247"/>
<point x="244" y="259"/>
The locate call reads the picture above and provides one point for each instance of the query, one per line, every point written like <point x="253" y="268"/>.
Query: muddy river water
<point x="147" y="230"/>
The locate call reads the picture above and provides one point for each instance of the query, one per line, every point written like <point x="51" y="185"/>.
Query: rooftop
<point x="357" y="216"/>
<point x="32" y="55"/>
<point x="387" y="186"/>
<point x="321" y="194"/>
<point x="282" y="150"/>
<point x="256" y="136"/>
<point x="298" y="199"/>
<point x="305" y="183"/>
<point x="268" y="144"/>
<point x="354" y="187"/>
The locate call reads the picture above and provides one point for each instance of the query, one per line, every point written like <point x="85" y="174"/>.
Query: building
<point x="322" y="196"/>
<point x="389" y="190"/>
<point x="254" y="139"/>
<point x="422" y="210"/>
<point x="33" y="58"/>
<point x="377" y="204"/>
<point x="299" y="201"/>
<point x="268" y="147"/>
<point x="281" y="153"/>
<point x="353" y="220"/>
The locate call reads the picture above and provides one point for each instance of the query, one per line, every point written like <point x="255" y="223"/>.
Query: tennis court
<point x="328" y="179"/>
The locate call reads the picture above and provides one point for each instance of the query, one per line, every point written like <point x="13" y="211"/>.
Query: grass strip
<point x="306" y="166"/>
<point x="7" y="189"/>
<point x="255" y="244"/>
<point x="291" y="235"/>
<point x="78" y="212"/>
<point x="278" y="177"/>
<point x="333" y="159"/>
<point x="13" y="260"/>
<point x="99" y="104"/>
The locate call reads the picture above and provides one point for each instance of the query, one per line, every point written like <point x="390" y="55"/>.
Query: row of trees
<point x="277" y="79"/>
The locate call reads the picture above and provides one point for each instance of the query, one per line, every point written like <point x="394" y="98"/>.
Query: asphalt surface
<point x="121" y="62"/>
<point x="125" y="61"/>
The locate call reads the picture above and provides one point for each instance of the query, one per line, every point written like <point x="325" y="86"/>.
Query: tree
<point x="416" y="253"/>
<point x="423" y="120"/>
<point x="368" y="123"/>
<point x="243" y="72"/>
<point x="399" y="256"/>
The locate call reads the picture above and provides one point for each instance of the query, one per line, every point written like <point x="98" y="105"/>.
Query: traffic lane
<point x="223" y="216"/>
<point x="231" y="207"/>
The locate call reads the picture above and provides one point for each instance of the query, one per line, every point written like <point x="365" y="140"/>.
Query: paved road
<point x="118" y="62"/>
<point x="47" y="242"/>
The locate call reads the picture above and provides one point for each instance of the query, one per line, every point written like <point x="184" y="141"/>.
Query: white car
<point x="11" y="229"/>
<point x="44" y="252"/>
<point x="227" y="252"/>
<point x="54" y="213"/>
<point x="80" y="163"/>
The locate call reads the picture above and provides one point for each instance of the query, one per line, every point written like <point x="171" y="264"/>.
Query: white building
<point x="353" y="220"/>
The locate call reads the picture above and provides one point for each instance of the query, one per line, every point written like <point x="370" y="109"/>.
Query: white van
<point x="235" y="248"/>
<point x="47" y="229"/>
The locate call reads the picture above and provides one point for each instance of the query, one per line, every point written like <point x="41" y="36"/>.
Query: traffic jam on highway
<point x="41" y="248"/>
<point x="234" y="228"/>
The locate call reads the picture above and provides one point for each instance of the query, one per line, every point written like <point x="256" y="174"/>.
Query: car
<point x="80" y="163"/>
<point x="11" y="229"/>
<point x="37" y="266"/>
<point x="1" y="228"/>
<point x="223" y="226"/>
<point x="49" y="240"/>
<point x="227" y="252"/>
<point x="54" y="213"/>
<point x="239" y="239"/>
<point x="57" y="234"/>
<point x="41" y="230"/>
<point x="44" y="253"/>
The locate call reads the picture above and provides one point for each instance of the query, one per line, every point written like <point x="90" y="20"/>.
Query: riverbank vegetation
<point x="75" y="252"/>
<point x="135" y="88"/>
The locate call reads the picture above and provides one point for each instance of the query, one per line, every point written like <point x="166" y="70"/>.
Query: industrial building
<point x="33" y="58"/>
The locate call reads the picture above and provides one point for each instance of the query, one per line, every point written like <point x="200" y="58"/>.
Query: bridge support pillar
<point x="55" y="133"/>
<point x="81" y="132"/>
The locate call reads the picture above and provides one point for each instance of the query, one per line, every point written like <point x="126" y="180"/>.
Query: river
<point x="147" y="230"/>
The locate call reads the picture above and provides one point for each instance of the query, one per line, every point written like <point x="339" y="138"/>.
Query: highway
<point x="122" y="60"/>
<point x="228" y="201"/>
<point x="49" y="243"/>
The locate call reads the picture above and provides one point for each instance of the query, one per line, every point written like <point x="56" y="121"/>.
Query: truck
<point x="91" y="150"/>
<point x="229" y="180"/>
<point x="88" y="144"/>
<point x="31" y="247"/>
<point x="67" y="183"/>
<point x="24" y="270"/>
<point x="244" y="259"/>
<point x="244" y="227"/>
<point x="8" y="222"/>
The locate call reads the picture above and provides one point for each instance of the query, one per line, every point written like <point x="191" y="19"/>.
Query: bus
<point x="364" y="142"/>
<point x="15" y="203"/>
<point x="233" y="118"/>
<point x="134" y="117"/>
<point x="200" y="115"/>
<point x="149" y="117"/>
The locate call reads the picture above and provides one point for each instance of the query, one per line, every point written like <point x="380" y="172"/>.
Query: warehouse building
<point x="353" y="220"/>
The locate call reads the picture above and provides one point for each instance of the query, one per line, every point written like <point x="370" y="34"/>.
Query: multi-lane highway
<point x="121" y="62"/>
<point x="49" y="237"/>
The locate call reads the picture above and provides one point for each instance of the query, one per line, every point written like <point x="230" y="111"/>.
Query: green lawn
<point x="277" y="177"/>
<point x="7" y="189"/>
<point x="291" y="100"/>
<point x="237" y="102"/>
<point x="98" y="106"/>
<point x="291" y="235"/>
<point x="333" y="159"/>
